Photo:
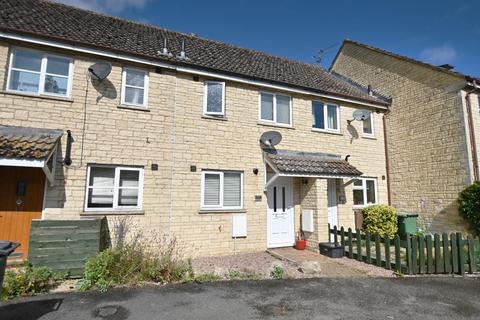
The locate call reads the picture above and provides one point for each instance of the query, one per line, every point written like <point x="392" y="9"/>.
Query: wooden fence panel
<point x="421" y="254"/>
<point x="454" y="244"/>
<point x="437" y="254"/>
<point x="398" y="261"/>
<point x="65" y="245"/>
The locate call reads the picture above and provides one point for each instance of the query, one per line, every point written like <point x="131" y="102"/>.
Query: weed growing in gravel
<point x="277" y="272"/>
<point x="134" y="260"/>
<point x="207" y="277"/>
<point x="29" y="281"/>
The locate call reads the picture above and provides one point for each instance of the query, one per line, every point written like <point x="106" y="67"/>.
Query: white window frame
<point x="145" y="87"/>
<point x="116" y="188"/>
<point x="363" y="187"/>
<point x="369" y="135"/>
<point x="325" y="117"/>
<point x="42" y="73"/>
<point x="274" y="121"/>
<point x="220" y="206"/>
<point x="205" y="99"/>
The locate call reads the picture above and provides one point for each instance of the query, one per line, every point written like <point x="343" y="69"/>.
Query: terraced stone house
<point x="433" y="129"/>
<point x="172" y="137"/>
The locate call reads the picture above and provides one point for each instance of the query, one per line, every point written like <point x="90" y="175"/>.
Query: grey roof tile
<point x="307" y="163"/>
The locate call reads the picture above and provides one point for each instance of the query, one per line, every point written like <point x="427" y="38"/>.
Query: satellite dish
<point x="100" y="70"/>
<point x="360" y="115"/>
<point x="271" y="138"/>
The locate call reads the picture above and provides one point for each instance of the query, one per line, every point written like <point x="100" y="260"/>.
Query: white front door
<point x="332" y="204"/>
<point x="280" y="216"/>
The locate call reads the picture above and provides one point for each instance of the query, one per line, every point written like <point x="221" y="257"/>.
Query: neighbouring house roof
<point x="441" y="68"/>
<point x="63" y="23"/>
<point x="27" y="143"/>
<point x="307" y="163"/>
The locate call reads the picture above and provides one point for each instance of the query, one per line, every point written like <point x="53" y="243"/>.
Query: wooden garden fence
<point x="437" y="254"/>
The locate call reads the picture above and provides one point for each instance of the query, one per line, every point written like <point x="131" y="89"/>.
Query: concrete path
<point x="366" y="298"/>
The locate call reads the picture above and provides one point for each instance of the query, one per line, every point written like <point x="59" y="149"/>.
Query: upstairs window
<point x="275" y="108"/>
<point x="39" y="73"/>
<point x="135" y="87"/>
<point x="114" y="188"/>
<point x="214" y="98"/>
<point x="222" y="190"/>
<point x="364" y="192"/>
<point x="368" y="126"/>
<point x="325" y="117"/>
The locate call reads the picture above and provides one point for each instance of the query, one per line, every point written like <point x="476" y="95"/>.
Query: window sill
<point x="112" y="213"/>
<point x="210" y="117"/>
<point x="369" y="137"/>
<point x="137" y="108"/>
<point x="338" y="133"/>
<point x="204" y="211"/>
<point x="40" y="96"/>
<point x="276" y="125"/>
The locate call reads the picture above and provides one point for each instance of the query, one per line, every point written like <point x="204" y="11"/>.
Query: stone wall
<point x="427" y="142"/>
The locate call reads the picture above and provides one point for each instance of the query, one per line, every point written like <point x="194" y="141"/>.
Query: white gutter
<point x="153" y="62"/>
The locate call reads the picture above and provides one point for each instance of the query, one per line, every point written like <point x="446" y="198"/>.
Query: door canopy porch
<point x="29" y="147"/>
<point x="286" y="163"/>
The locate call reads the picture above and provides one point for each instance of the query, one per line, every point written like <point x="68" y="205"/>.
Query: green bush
<point x="469" y="206"/>
<point x="133" y="264"/>
<point x="29" y="281"/>
<point x="380" y="219"/>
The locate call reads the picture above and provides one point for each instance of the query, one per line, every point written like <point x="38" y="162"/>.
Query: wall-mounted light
<point x="255" y="171"/>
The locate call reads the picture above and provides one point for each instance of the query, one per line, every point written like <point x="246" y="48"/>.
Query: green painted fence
<point x="437" y="254"/>
<point x="65" y="245"/>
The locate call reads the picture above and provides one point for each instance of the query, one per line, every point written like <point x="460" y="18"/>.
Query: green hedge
<point x="380" y="219"/>
<point x="469" y="206"/>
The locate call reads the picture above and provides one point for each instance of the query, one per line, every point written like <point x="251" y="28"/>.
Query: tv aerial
<point x="360" y="115"/>
<point x="271" y="138"/>
<point x="100" y="70"/>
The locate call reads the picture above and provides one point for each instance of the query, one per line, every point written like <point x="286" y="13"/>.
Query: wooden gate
<point x="21" y="201"/>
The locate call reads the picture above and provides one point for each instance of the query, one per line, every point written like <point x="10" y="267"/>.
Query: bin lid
<point x="413" y="215"/>
<point x="407" y="215"/>
<point x="4" y="245"/>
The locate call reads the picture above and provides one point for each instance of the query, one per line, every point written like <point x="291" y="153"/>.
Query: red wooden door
<point x="21" y="200"/>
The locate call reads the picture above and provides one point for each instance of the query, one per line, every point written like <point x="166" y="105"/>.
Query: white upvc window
<point x="40" y="73"/>
<point x="326" y="117"/>
<point x="275" y="108"/>
<point x="134" y="87"/>
<point x="113" y="188"/>
<point x="214" y="98"/>
<point x="367" y="126"/>
<point x="222" y="190"/>
<point x="364" y="192"/>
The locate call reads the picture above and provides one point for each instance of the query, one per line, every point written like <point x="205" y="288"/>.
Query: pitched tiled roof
<point x="72" y="25"/>
<point x="27" y="143"/>
<point x="296" y="162"/>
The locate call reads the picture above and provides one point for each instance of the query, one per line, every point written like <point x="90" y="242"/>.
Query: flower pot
<point x="300" y="244"/>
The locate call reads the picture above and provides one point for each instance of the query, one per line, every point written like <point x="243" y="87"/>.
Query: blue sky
<point x="438" y="32"/>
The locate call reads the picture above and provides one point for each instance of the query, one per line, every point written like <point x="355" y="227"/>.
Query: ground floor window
<point x="364" y="192"/>
<point x="222" y="190"/>
<point x="114" y="188"/>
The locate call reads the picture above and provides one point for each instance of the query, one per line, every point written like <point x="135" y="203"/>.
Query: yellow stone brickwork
<point x="174" y="134"/>
<point x="427" y="140"/>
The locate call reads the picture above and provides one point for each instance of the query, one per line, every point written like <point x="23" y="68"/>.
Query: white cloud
<point x="439" y="55"/>
<point x="106" y="6"/>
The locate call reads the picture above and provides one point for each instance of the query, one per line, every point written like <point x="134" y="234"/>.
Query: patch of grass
<point x="242" y="275"/>
<point x="207" y="277"/>
<point x="29" y="281"/>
